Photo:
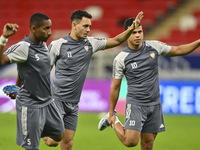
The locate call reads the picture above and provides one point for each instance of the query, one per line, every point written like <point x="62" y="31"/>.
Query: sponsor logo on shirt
<point x="152" y="55"/>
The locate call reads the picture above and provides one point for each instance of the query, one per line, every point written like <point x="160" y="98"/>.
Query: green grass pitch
<point x="182" y="133"/>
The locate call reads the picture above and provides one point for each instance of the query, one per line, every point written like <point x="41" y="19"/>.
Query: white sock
<point x="116" y="120"/>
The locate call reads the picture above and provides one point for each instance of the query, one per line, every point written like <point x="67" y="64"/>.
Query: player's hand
<point x="12" y="96"/>
<point x="137" y="20"/>
<point x="111" y="120"/>
<point x="9" y="29"/>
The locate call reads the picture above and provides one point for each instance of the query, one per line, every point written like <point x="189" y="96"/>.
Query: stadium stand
<point x="114" y="13"/>
<point x="160" y="21"/>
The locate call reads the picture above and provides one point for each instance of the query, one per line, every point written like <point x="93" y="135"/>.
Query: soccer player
<point x="138" y="62"/>
<point x="37" y="114"/>
<point x="71" y="55"/>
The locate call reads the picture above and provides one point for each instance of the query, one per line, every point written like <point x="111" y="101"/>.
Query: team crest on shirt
<point x="152" y="55"/>
<point x="86" y="47"/>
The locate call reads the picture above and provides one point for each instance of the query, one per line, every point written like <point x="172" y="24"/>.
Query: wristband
<point x="3" y="40"/>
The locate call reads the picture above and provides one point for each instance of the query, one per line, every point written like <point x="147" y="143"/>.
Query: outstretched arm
<point x="121" y="38"/>
<point x="183" y="49"/>
<point x="8" y="30"/>
<point x="114" y="95"/>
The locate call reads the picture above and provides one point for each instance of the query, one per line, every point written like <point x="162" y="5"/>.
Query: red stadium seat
<point x="191" y="35"/>
<point x="114" y="12"/>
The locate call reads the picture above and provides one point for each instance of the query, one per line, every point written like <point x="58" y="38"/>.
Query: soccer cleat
<point x="103" y="123"/>
<point x="11" y="89"/>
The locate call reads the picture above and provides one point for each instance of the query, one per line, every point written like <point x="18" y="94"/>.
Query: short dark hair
<point x="129" y="22"/>
<point x="79" y="14"/>
<point x="37" y="19"/>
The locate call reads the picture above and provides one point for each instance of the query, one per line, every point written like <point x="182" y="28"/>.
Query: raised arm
<point x="121" y="38"/>
<point x="183" y="49"/>
<point x="8" y="30"/>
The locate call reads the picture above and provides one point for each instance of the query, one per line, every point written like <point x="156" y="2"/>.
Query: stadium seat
<point x="191" y="35"/>
<point x="196" y="14"/>
<point x="114" y="12"/>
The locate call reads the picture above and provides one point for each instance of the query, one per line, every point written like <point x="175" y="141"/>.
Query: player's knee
<point x="49" y="142"/>
<point x="53" y="144"/>
<point x="130" y="143"/>
<point x="70" y="143"/>
<point x="67" y="145"/>
<point x="148" y="145"/>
